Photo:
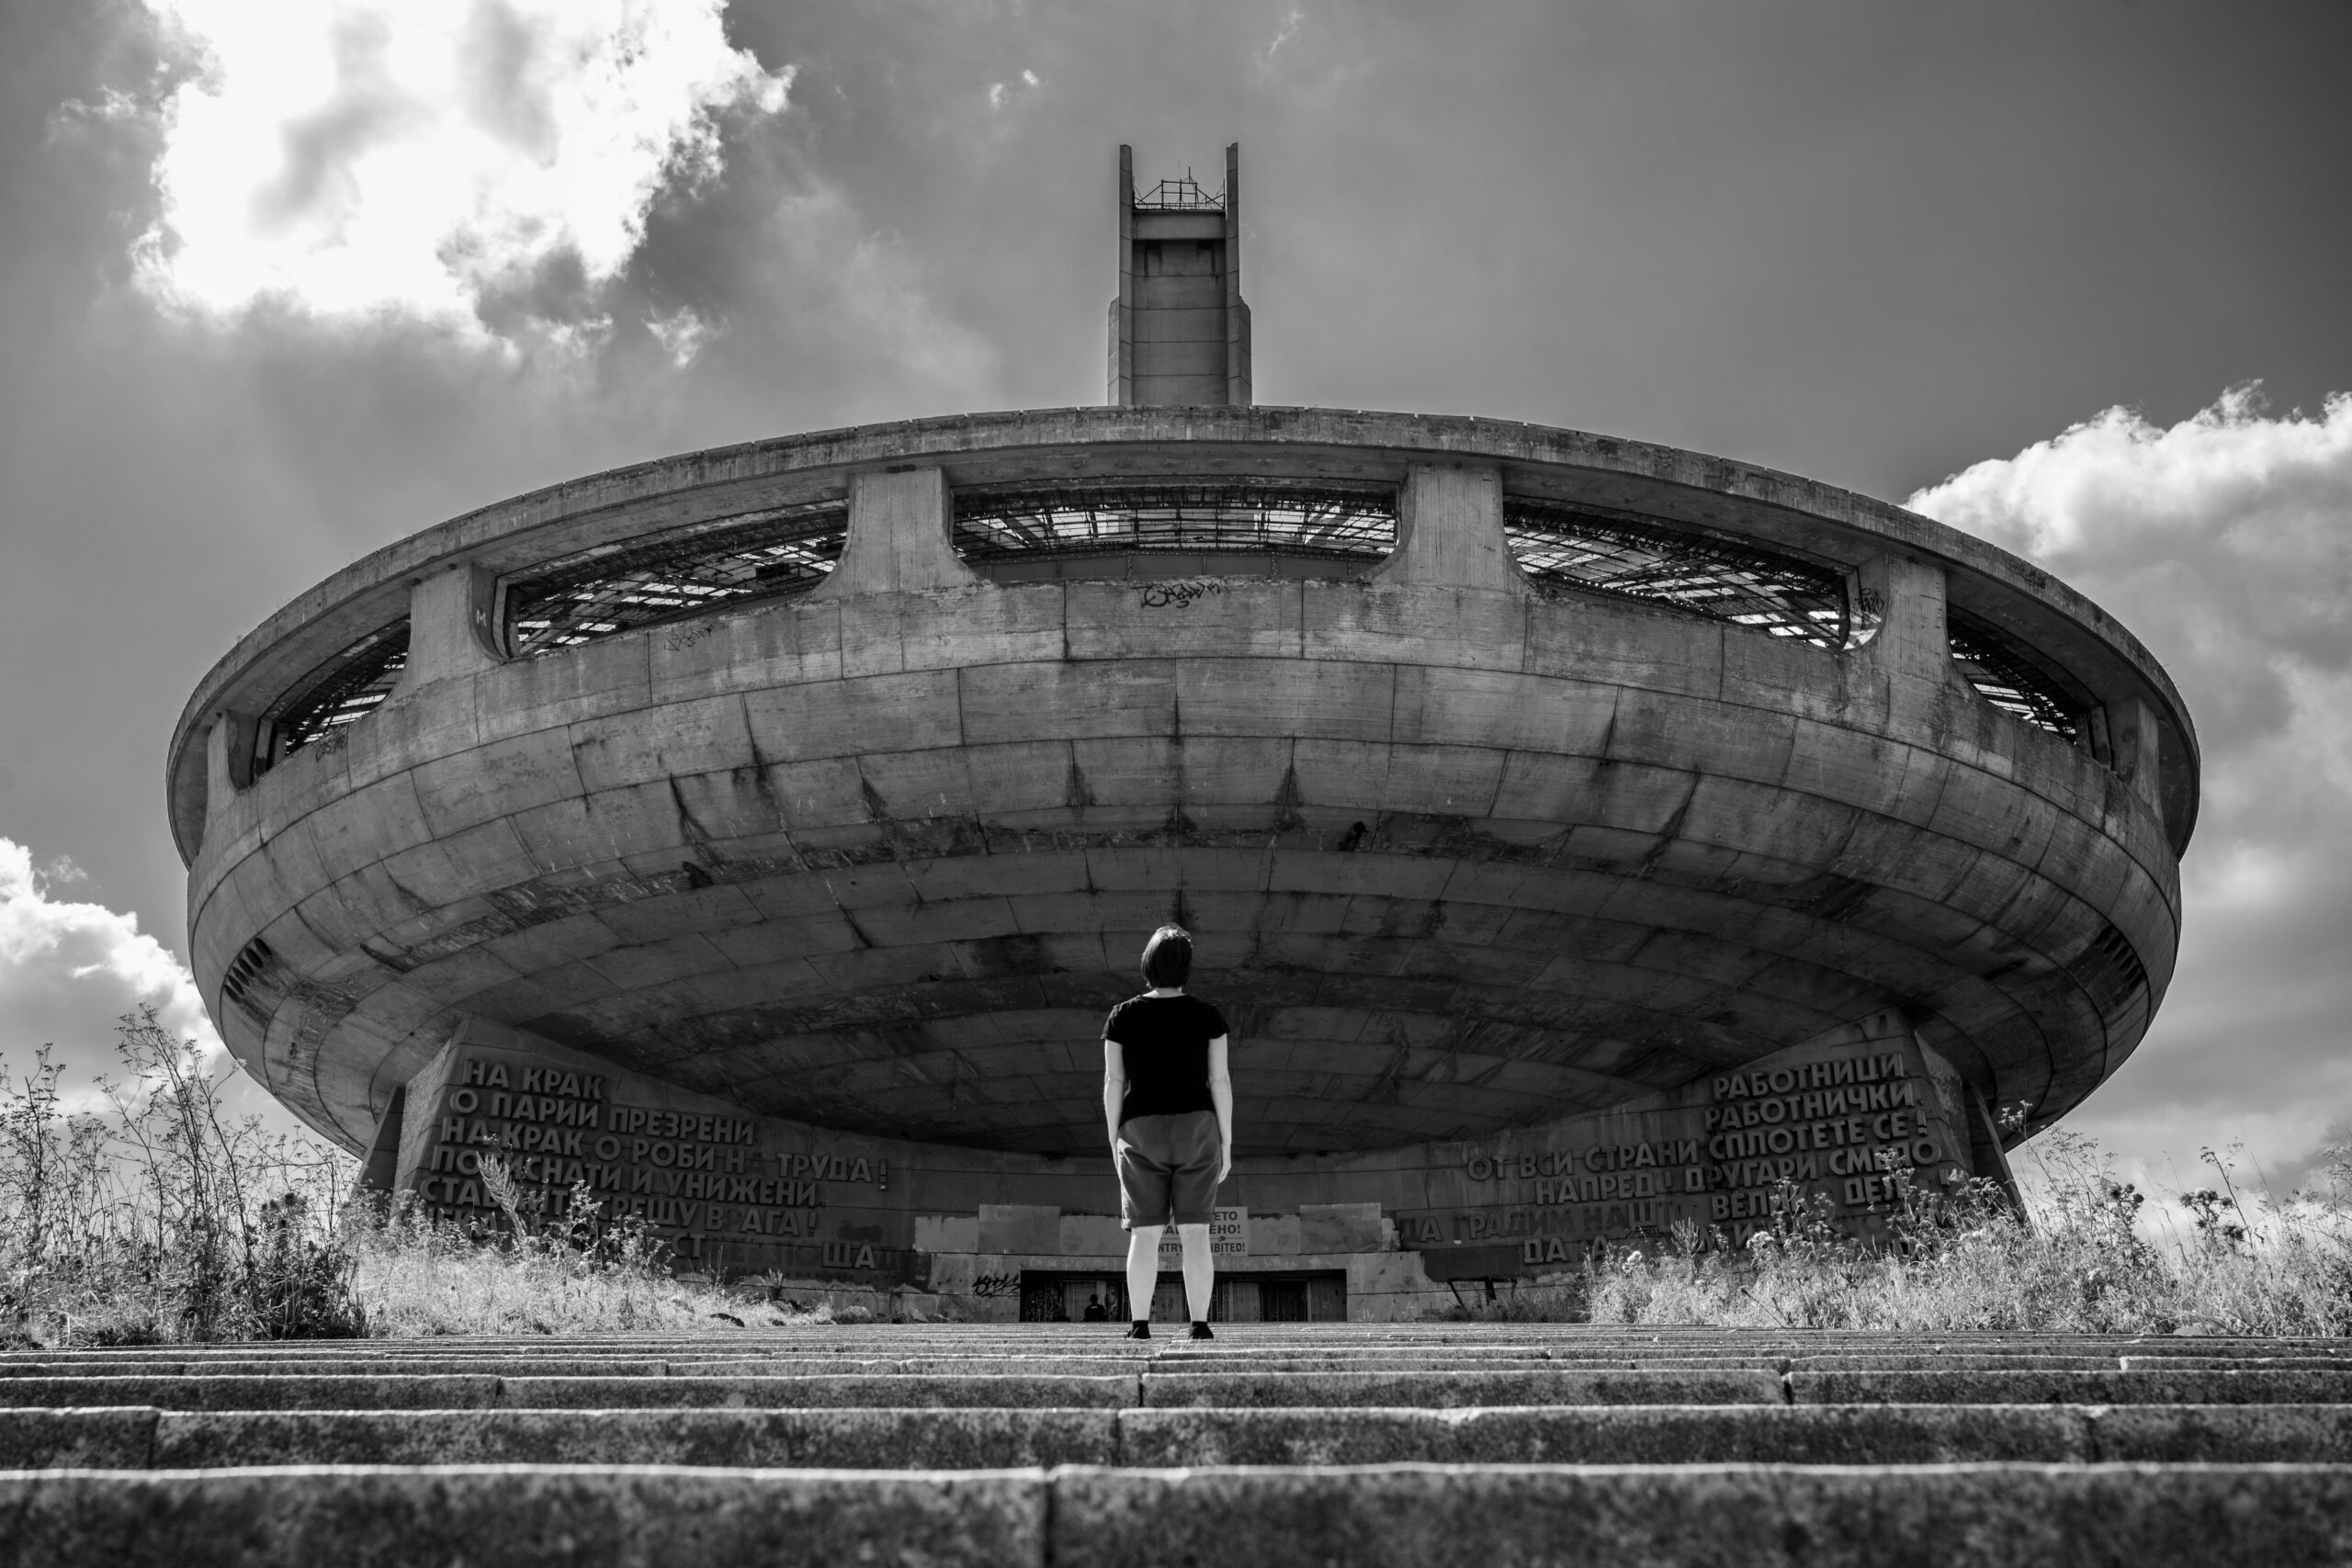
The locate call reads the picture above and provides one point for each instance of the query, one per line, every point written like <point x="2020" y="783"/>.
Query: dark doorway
<point x="1052" y="1296"/>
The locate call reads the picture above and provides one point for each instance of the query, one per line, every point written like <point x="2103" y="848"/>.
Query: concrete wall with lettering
<point x="1837" y="1117"/>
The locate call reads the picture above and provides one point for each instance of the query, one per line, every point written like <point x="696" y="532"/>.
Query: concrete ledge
<point x="430" y="1364"/>
<point x="828" y="1439"/>
<point x="519" y="1517"/>
<point x="773" y="1392"/>
<point x="1425" y="1515"/>
<point x="1450" y="1389"/>
<point x="783" y="1390"/>
<point x="1438" y="1517"/>
<point x="278" y="1391"/>
<point x="881" y="1438"/>
<point x="2232" y="1434"/>
<point x="884" y="1438"/>
<point x="2148" y="1387"/>
<point x="92" y="1439"/>
<point x="1850" y="1435"/>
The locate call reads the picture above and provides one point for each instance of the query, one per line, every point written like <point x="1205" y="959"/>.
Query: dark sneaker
<point x="1201" y="1331"/>
<point x="1139" y="1331"/>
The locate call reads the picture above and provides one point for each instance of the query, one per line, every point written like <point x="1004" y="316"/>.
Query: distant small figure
<point x="1095" y="1311"/>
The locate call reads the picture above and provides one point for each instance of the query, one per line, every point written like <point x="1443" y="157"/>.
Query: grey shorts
<point x="1168" y="1170"/>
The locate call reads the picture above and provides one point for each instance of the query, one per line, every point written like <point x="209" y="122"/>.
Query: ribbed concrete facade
<point x="1469" y="854"/>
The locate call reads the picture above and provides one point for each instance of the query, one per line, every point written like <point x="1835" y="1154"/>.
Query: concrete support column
<point x="228" y="759"/>
<point x="901" y="540"/>
<point x="452" y="628"/>
<point x="1906" y="597"/>
<point x="1450" y="532"/>
<point x="381" y="1171"/>
<point x="2135" y="748"/>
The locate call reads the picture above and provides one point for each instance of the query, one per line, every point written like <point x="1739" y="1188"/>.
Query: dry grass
<point x="154" y="1218"/>
<point x="2082" y="1260"/>
<point x="564" y="1276"/>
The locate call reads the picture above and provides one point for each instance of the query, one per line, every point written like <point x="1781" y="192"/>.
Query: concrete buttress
<point x="452" y="626"/>
<point x="1450" y="532"/>
<point x="899" y="527"/>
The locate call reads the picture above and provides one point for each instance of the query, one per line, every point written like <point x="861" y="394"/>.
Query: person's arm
<point x="1114" y="1089"/>
<point x="1221" y="1096"/>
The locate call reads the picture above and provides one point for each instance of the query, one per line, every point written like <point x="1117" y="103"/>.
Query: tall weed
<point x="158" y="1216"/>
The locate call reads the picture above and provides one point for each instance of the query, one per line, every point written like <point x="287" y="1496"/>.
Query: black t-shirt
<point x="1165" y="1041"/>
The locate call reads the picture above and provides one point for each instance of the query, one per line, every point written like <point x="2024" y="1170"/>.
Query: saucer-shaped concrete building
<point x="1581" y="835"/>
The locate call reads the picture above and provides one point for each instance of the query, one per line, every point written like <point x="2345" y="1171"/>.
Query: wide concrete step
<point x="1425" y="1515"/>
<point x="1150" y="1386"/>
<point x="884" y="1353"/>
<point x="956" y="1440"/>
<point x="808" y="1362"/>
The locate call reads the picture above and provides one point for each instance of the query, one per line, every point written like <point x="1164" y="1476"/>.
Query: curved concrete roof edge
<point x="946" y="435"/>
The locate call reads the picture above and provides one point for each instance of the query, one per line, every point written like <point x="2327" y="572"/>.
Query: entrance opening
<point x="1052" y="1296"/>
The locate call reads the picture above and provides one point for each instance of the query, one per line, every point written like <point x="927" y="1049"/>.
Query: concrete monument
<point x="1583" y="836"/>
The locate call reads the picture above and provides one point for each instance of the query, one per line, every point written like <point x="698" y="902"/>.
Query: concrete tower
<point x="1180" y="333"/>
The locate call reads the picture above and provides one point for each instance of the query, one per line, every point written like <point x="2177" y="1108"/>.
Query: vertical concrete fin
<point x="1237" y="313"/>
<point x="2132" y="740"/>
<point x="452" y="626"/>
<point x="1906" y="597"/>
<point x="1122" y="321"/>
<point x="901" y="527"/>
<point x="1450" y="532"/>
<point x="228" y="757"/>
<point x="228" y="744"/>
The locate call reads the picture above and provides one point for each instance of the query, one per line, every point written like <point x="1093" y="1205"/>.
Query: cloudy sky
<point x="282" y="280"/>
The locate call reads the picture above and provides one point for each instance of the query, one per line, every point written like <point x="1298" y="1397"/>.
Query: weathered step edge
<point x="135" y="1438"/>
<point x="1424" y="1516"/>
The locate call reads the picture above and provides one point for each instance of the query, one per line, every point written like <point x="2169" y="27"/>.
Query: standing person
<point x="1168" y="1105"/>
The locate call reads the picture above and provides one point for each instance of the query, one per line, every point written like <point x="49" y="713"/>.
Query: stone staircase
<point x="1329" y="1443"/>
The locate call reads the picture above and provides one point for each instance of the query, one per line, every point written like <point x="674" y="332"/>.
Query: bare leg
<point x="1143" y="1268"/>
<point x="1200" y="1269"/>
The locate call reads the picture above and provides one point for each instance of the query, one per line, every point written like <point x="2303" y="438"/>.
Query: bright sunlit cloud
<point x="354" y="160"/>
<point x="69" y="969"/>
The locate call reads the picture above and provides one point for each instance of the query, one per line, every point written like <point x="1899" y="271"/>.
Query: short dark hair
<point x="1168" y="956"/>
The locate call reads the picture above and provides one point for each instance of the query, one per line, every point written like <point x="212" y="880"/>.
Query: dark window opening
<point x="341" y="692"/>
<point x="1346" y="523"/>
<point x="641" y="582"/>
<point x="1570" y="548"/>
<point x="2009" y="678"/>
<point x="256" y="982"/>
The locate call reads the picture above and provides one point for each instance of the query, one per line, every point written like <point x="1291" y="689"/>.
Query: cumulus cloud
<point x="69" y="969"/>
<point x="2225" y="542"/>
<point x="353" y="160"/>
